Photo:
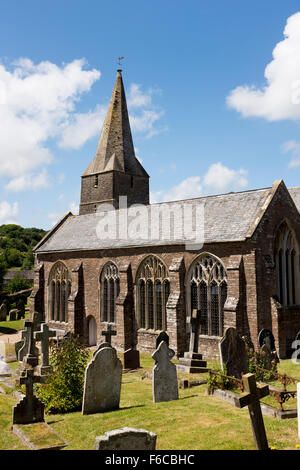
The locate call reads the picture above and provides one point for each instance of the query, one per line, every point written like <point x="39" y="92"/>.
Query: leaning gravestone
<point x="126" y="439"/>
<point x="164" y="382"/>
<point x="233" y="354"/>
<point x="3" y="312"/>
<point x="102" y="382"/>
<point x="131" y="359"/>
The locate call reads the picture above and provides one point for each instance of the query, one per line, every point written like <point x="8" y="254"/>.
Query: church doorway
<point x="92" y="329"/>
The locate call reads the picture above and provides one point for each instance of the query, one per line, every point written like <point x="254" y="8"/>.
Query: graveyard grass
<point x="196" y="421"/>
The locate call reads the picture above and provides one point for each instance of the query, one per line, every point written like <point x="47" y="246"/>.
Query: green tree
<point x="28" y="261"/>
<point x="63" y="389"/>
<point x="17" y="284"/>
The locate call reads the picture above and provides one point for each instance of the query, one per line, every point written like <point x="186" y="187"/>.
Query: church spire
<point x="115" y="149"/>
<point x="115" y="171"/>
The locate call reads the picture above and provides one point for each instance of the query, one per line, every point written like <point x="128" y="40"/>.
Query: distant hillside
<point x="16" y="245"/>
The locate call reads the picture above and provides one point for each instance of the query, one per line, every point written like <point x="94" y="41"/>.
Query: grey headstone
<point x="102" y="382"/>
<point x="126" y="439"/>
<point x="233" y="354"/>
<point x="3" y="312"/>
<point x="164" y="382"/>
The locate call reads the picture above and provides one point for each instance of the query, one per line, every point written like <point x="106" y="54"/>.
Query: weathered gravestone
<point x="44" y="336"/>
<point x="12" y="316"/>
<point x="102" y="382"/>
<point x="20" y="304"/>
<point x="163" y="336"/>
<point x="131" y="359"/>
<point x="28" y="352"/>
<point x="30" y="409"/>
<point x="233" y="354"/>
<point x="164" y="381"/>
<point x="3" y="312"/>
<point x="250" y="398"/>
<point x="126" y="439"/>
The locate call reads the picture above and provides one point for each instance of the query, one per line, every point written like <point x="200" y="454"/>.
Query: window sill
<point x="149" y="331"/>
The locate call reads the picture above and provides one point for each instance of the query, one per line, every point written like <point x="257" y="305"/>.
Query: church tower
<point x="115" y="170"/>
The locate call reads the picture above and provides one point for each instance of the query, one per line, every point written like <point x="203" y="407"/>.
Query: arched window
<point x="109" y="291"/>
<point x="153" y="289"/>
<point x="59" y="290"/>
<point x="287" y="265"/>
<point x="207" y="291"/>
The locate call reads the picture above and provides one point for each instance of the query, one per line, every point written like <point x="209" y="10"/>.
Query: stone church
<point x="245" y="274"/>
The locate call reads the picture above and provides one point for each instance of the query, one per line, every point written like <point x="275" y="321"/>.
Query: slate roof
<point x="295" y="193"/>
<point x="227" y="218"/>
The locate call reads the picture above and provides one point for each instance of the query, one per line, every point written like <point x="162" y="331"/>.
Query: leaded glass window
<point x="153" y="289"/>
<point x="287" y="265"/>
<point x="109" y="291"/>
<point x="208" y="292"/>
<point x="59" y="290"/>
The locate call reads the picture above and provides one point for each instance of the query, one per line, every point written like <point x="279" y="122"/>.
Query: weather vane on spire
<point x="120" y="58"/>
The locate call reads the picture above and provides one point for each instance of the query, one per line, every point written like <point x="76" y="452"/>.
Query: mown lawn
<point x="196" y="421"/>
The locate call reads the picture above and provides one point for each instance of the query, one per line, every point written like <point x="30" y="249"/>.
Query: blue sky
<point x="207" y="116"/>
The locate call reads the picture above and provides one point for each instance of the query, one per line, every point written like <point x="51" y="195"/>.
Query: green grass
<point x="12" y="327"/>
<point x="195" y="421"/>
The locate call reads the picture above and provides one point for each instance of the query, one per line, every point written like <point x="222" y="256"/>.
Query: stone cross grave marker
<point x="126" y="439"/>
<point x="43" y="336"/>
<point x="29" y="352"/>
<point x="250" y="398"/>
<point x="194" y="326"/>
<point x="108" y="333"/>
<point x="233" y="353"/>
<point x="30" y="409"/>
<point x="164" y="382"/>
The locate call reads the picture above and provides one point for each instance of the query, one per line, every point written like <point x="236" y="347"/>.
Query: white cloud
<point x="37" y="102"/>
<point x="218" y="178"/>
<point x="293" y="148"/>
<point x="221" y="178"/>
<point x="279" y="98"/>
<point x="188" y="188"/>
<point x="8" y="212"/>
<point x="29" y="181"/>
<point x="83" y="127"/>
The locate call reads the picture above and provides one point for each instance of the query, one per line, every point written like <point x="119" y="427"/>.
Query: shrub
<point x="63" y="390"/>
<point x="222" y="382"/>
<point x="259" y="359"/>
